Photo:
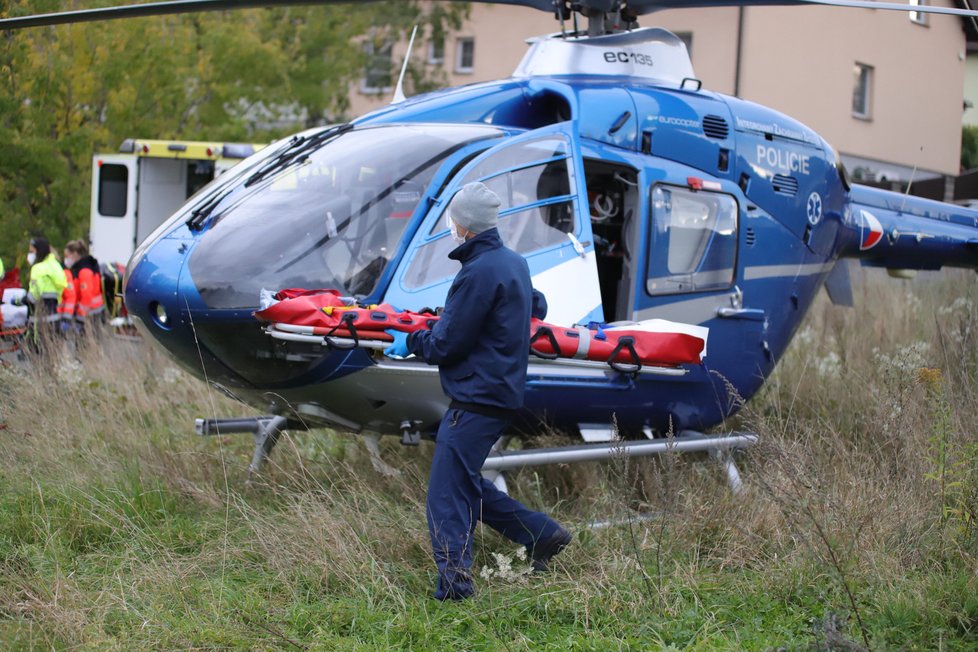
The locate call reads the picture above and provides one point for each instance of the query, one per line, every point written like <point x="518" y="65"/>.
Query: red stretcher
<point x="340" y="323"/>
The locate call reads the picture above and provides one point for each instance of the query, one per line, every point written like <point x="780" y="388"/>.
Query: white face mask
<point x="69" y="262"/>
<point x="31" y="257"/>
<point x="453" y="227"/>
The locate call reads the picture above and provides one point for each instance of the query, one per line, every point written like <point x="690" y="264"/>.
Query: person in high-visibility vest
<point x="47" y="283"/>
<point x="87" y="302"/>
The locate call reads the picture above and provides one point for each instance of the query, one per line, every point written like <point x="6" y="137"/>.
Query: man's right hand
<point x="398" y="349"/>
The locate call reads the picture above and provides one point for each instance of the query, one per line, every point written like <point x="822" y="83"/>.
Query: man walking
<point x="480" y="344"/>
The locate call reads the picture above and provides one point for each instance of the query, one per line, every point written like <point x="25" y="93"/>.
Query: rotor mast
<point x="603" y="17"/>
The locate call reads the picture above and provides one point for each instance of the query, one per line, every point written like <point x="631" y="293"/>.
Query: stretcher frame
<point x="305" y="334"/>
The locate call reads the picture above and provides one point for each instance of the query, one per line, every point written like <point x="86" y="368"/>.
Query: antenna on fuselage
<point x="399" y="90"/>
<point x="913" y="173"/>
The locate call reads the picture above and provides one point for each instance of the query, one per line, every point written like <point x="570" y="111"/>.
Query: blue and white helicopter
<point x="633" y="193"/>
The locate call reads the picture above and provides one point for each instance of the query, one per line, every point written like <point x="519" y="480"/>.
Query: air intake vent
<point x="715" y="127"/>
<point x="785" y="185"/>
<point x="751" y="237"/>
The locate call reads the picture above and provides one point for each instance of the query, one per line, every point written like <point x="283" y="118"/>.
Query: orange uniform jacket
<point x="86" y="289"/>
<point x="69" y="300"/>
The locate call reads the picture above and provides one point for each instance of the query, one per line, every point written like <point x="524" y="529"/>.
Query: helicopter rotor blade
<point x="636" y="7"/>
<point x="893" y="6"/>
<point x="196" y="6"/>
<point x="648" y="6"/>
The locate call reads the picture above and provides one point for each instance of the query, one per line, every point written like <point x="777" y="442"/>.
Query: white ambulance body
<point x="135" y="191"/>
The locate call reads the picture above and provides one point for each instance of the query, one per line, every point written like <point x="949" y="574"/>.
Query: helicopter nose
<point x="155" y="299"/>
<point x="223" y="346"/>
<point x="152" y="284"/>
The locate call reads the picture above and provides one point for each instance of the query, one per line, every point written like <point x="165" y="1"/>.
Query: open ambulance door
<point x="113" y="223"/>
<point x="539" y="177"/>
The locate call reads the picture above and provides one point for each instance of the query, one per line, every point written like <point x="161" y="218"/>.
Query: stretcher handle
<point x="547" y="332"/>
<point x="628" y="343"/>
<point x="347" y="321"/>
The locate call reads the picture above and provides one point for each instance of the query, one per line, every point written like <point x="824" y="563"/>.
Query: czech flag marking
<point x="870" y="232"/>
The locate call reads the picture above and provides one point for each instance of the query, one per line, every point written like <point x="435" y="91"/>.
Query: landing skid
<point x="721" y="447"/>
<point x="267" y="430"/>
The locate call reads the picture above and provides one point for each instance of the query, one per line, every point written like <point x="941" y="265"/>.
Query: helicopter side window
<point x="536" y="188"/>
<point x="694" y="241"/>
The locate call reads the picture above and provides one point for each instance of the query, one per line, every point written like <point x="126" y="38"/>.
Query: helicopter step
<point x="720" y="447"/>
<point x="266" y="431"/>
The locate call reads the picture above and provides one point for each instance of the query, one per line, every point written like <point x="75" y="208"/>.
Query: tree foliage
<point x="69" y="91"/>
<point x="969" y="147"/>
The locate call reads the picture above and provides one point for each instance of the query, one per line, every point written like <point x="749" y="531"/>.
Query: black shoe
<point x="544" y="550"/>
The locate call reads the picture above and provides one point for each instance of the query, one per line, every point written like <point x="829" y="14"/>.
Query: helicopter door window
<point x="530" y="173"/>
<point x="531" y="229"/>
<point x="533" y="153"/>
<point x="536" y="188"/>
<point x="531" y="185"/>
<point x="524" y="230"/>
<point x="694" y="241"/>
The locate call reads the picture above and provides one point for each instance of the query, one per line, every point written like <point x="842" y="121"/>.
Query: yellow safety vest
<point x="47" y="280"/>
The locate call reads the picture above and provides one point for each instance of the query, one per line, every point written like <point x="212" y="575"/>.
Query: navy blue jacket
<point x="482" y="339"/>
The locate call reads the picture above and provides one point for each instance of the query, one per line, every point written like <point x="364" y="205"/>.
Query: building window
<point x="862" y="91"/>
<point x="377" y="75"/>
<point x="687" y="39"/>
<point x="465" y="55"/>
<point x="918" y="17"/>
<point x="436" y="51"/>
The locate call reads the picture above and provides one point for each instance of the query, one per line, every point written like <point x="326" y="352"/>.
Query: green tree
<point x="969" y="147"/>
<point x="69" y="91"/>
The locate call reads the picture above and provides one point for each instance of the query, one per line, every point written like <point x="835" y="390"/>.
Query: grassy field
<point x="119" y="529"/>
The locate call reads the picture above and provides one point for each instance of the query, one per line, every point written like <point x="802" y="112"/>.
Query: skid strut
<point x="265" y="430"/>
<point x="721" y="446"/>
<point x="493" y="475"/>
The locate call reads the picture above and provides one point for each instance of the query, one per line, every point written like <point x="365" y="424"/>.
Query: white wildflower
<point x="805" y="336"/>
<point x="170" y="375"/>
<point x="961" y="304"/>
<point x="70" y="371"/>
<point x="906" y="360"/>
<point x="830" y="366"/>
<point x="505" y="569"/>
<point x="911" y="302"/>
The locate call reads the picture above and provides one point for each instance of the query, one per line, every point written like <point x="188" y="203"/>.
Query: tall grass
<point x="119" y="529"/>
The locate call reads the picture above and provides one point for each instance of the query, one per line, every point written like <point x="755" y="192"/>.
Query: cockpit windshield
<point x="333" y="221"/>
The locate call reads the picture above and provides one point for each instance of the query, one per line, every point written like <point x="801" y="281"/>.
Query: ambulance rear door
<point x="113" y="222"/>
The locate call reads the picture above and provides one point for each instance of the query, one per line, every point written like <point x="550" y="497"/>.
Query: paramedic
<point x="86" y="279"/>
<point x="480" y="345"/>
<point x="46" y="286"/>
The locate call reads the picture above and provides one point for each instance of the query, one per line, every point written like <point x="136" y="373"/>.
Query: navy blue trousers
<point x="459" y="497"/>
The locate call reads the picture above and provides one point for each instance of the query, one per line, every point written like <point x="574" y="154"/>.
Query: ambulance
<point x="134" y="191"/>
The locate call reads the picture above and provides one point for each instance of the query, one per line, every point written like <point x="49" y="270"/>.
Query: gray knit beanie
<point x="475" y="207"/>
